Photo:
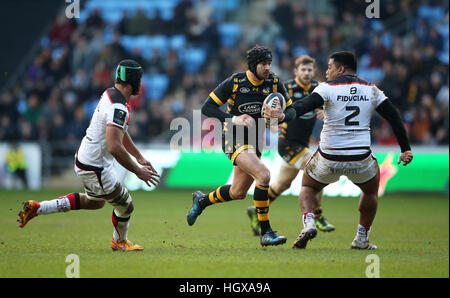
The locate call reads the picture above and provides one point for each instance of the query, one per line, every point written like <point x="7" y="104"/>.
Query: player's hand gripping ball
<point x="273" y="107"/>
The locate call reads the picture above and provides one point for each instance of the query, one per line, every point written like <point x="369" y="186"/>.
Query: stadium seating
<point x="193" y="59"/>
<point x="156" y="85"/>
<point x="229" y="33"/>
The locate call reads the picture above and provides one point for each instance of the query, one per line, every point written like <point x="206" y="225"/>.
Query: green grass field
<point x="412" y="233"/>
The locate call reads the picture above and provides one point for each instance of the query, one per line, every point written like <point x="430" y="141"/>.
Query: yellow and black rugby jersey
<point x="299" y="129"/>
<point x="245" y="96"/>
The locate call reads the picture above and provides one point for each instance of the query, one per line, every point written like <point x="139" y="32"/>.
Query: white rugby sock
<point x="53" y="206"/>
<point x="120" y="227"/>
<point x="363" y="233"/>
<point x="308" y="219"/>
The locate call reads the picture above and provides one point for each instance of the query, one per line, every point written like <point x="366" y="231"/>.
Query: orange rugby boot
<point x="125" y="246"/>
<point x="28" y="212"/>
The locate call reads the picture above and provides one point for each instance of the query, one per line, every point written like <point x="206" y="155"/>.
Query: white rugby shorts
<point x="328" y="171"/>
<point x="97" y="182"/>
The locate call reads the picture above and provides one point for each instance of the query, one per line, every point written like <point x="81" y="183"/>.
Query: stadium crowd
<point x="405" y="52"/>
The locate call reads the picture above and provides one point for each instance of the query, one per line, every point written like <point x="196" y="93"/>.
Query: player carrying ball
<point x="293" y="142"/>
<point x="243" y="137"/>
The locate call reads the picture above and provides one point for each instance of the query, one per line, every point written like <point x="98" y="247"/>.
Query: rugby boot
<point x="323" y="225"/>
<point x="125" y="245"/>
<point x="196" y="210"/>
<point x="358" y="244"/>
<point x="28" y="212"/>
<point x="272" y="238"/>
<point x="308" y="233"/>
<point x="254" y="222"/>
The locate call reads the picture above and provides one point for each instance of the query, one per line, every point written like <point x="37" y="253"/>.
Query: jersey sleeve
<point x="282" y="89"/>
<point x="322" y="90"/>
<point x="222" y="92"/>
<point x="378" y="95"/>
<point x="117" y="115"/>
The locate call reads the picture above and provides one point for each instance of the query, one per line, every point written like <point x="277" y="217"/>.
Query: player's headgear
<point x="256" y="55"/>
<point x="130" y="72"/>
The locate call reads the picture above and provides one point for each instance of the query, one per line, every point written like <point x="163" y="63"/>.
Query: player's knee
<point x="97" y="204"/>
<point x="263" y="176"/>
<point x="283" y="185"/>
<point x="130" y="208"/>
<point x="88" y="204"/>
<point x="123" y="203"/>
<point x="124" y="210"/>
<point x="238" y="195"/>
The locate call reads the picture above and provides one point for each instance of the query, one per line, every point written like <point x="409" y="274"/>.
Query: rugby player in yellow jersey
<point x="243" y="137"/>
<point x="293" y="142"/>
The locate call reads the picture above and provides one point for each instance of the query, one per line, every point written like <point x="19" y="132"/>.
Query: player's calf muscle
<point x="85" y="203"/>
<point x="239" y="194"/>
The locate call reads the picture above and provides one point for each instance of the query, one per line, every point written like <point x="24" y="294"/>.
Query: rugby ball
<point x="273" y="98"/>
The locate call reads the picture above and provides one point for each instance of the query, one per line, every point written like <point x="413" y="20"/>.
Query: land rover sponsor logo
<point x="266" y="90"/>
<point x="250" y="108"/>
<point x="244" y="90"/>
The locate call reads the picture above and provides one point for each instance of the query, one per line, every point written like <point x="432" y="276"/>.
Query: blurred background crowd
<point x="187" y="47"/>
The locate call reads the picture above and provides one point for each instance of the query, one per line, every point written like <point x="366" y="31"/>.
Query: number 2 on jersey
<point x="355" y="113"/>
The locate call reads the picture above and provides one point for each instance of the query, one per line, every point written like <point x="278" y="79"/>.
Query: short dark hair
<point x="304" y="59"/>
<point x="346" y="59"/>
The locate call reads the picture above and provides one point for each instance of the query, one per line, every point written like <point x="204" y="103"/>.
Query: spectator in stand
<point x="266" y="33"/>
<point x="7" y="128"/>
<point x="95" y="20"/>
<point x="180" y="19"/>
<point x="284" y="16"/>
<point x="62" y="30"/>
<point x="158" y="25"/>
<point x="33" y="110"/>
<point x="139" y="24"/>
<point x="122" y="26"/>
<point x="377" y="52"/>
<point x="421" y="126"/>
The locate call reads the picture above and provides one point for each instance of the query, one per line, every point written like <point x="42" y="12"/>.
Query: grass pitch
<point x="412" y="233"/>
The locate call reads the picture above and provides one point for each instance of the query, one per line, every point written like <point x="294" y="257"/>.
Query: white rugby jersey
<point x="112" y="109"/>
<point x="349" y="103"/>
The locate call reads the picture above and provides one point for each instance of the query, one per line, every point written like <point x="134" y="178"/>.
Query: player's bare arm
<point x="129" y="145"/>
<point x="320" y="114"/>
<point x="114" y="142"/>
